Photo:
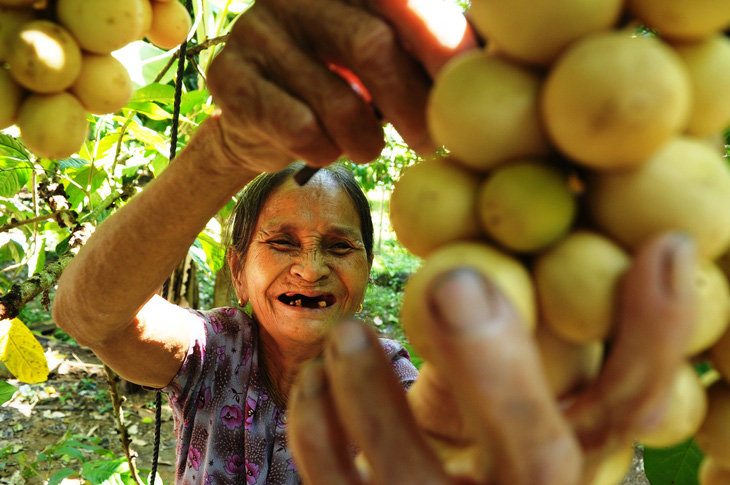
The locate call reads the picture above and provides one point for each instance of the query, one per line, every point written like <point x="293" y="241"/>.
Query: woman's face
<point x="306" y="267"/>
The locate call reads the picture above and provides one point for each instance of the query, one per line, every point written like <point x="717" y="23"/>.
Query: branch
<point x="20" y="294"/>
<point x="42" y="217"/>
<point x="206" y="44"/>
<point x="112" y="379"/>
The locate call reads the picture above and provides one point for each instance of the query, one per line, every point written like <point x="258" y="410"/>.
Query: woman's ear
<point x="235" y="266"/>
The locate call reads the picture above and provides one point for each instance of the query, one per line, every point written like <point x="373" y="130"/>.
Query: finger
<point x="261" y="120"/>
<point x="368" y="45"/>
<point x="655" y="312"/>
<point x="434" y="30"/>
<point x="492" y="365"/>
<point x="343" y="114"/>
<point x="318" y="442"/>
<point x="372" y="403"/>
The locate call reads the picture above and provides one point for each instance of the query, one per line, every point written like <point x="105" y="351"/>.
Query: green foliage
<point x="673" y="466"/>
<point x="6" y="392"/>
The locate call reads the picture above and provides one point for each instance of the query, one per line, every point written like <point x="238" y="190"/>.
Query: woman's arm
<point x="105" y="296"/>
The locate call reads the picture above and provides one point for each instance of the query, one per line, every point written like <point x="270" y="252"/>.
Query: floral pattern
<point x="228" y="429"/>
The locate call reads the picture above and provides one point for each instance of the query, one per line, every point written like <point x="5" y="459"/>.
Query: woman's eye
<point x="341" y="247"/>
<point x="281" y="243"/>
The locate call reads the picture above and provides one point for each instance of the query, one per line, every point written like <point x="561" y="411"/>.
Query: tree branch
<point x="42" y="217"/>
<point x="112" y="379"/>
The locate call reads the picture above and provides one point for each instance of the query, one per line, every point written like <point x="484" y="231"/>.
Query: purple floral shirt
<point x="229" y="431"/>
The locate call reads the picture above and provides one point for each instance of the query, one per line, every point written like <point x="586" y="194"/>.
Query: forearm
<point x="130" y="255"/>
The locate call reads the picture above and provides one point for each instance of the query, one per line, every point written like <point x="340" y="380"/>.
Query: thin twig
<point x="32" y="220"/>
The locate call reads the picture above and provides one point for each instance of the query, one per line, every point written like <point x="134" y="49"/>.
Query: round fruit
<point x="612" y="100"/>
<point x="508" y="274"/>
<point x="711" y="473"/>
<point x="52" y="125"/>
<point x="536" y="32"/>
<point x="568" y="367"/>
<point x="714" y="434"/>
<point x="44" y="57"/>
<point x="433" y="204"/>
<point x="684" y="186"/>
<point x="11" y="19"/>
<point x="614" y="467"/>
<point x="682" y="19"/>
<point x="11" y="95"/>
<point x="720" y="356"/>
<point x="103" y="26"/>
<point x="712" y="303"/>
<point x="708" y="65"/>
<point x="576" y="283"/>
<point x="484" y="109"/>
<point x="526" y="205"/>
<point x="147" y="18"/>
<point x="104" y="85"/>
<point x="686" y="411"/>
<point x="171" y="24"/>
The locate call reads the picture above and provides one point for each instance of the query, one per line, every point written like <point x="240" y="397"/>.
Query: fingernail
<point x="312" y="381"/>
<point x="464" y="299"/>
<point x="679" y="263"/>
<point x="349" y="337"/>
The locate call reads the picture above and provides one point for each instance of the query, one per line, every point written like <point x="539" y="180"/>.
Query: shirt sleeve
<point x="400" y="359"/>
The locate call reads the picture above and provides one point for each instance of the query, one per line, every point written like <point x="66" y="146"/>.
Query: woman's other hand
<point x="482" y="401"/>
<point x="309" y="79"/>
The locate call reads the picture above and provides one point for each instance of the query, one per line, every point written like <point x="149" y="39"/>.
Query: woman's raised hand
<point x="481" y="401"/>
<point x="310" y="79"/>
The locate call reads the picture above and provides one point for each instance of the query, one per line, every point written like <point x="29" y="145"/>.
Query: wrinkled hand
<point x="281" y="100"/>
<point x="481" y="403"/>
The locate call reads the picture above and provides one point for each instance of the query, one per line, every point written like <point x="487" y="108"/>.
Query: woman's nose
<point x="311" y="266"/>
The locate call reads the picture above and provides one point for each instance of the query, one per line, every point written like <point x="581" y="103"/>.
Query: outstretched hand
<point x="309" y="79"/>
<point x="481" y="404"/>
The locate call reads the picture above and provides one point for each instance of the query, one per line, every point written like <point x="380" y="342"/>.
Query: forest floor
<point x="69" y="420"/>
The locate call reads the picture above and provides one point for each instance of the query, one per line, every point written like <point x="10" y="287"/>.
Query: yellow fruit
<point x="708" y="65"/>
<point x="711" y="473"/>
<point x="720" y="356"/>
<point x="686" y="411"/>
<point x="526" y="205"/>
<point x="11" y="19"/>
<point x="433" y="204"/>
<point x="714" y="434"/>
<point x="568" y="366"/>
<point x="102" y="26"/>
<point x="684" y="186"/>
<point x="614" y="467"/>
<point x="44" y="57"/>
<point x="52" y="125"/>
<point x="508" y="274"/>
<point x="104" y="85"/>
<point x="170" y="24"/>
<point x="484" y="109"/>
<point x="147" y="18"/>
<point x="536" y="32"/>
<point x="612" y="100"/>
<point x="683" y="19"/>
<point x="576" y="283"/>
<point x="712" y="300"/>
<point x="11" y="95"/>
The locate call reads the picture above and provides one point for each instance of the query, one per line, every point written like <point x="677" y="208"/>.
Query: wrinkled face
<point x="306" y="268"/>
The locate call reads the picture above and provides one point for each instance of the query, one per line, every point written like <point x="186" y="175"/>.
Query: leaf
<point x="144" y="62"/>
<point x="162" y="93"/>
<point x="6" y="392"/>
<point x="150" y="110"/>
<point x="60" y="475"/>
<point x="72" y="162"/>
<point x="37" y="261"/>
<point x="11" y="148"/>
<point x="21" y="352"/>
<point x="214" y="253"/>
<point x="105" y="471"/>
<point x="14" y="174"/>
<point x="677" y="465"/>
<point x="149" y="137"/>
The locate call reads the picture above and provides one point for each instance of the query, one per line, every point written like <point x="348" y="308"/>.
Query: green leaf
<point x="72" y="162"/>
<point x="11" y="148"/>
<point x="6" y="392"/>
<point x="144" y="62"/>
<point x="37" y="261"/>
<point x="14" y="174"/>
<point x="214" y="253"/>
<point x="149" y="137"/>
<point x="60" y="475"/>
<point x="677" y="465"/>
<point x="198" y="254"/>
<point x="21" y="352"/>
<point x="105" y="471"/>
<point x="150" y="110"/>
<point x="162" y="93"/>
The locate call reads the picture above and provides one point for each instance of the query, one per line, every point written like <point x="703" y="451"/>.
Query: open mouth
<point x="297" y="299"/>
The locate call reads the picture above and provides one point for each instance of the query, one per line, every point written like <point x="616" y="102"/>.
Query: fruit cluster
<point x="59" y="63"/>
<point x="579" y="131"/>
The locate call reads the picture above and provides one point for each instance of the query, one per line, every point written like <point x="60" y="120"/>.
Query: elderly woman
<point x="301" y="256"/>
